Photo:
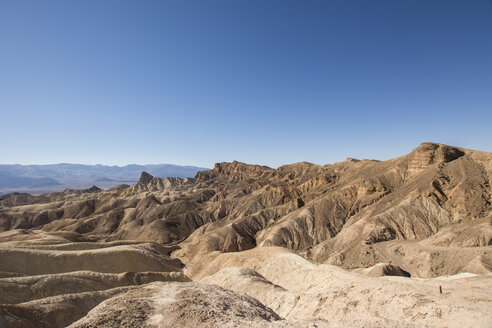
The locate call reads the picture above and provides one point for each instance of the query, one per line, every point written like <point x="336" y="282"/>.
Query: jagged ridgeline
<point x="248" y="245"/>
<point x="354" y="214"/>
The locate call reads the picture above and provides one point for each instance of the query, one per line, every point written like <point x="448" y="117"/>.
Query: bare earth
<point x="360" y="243"/>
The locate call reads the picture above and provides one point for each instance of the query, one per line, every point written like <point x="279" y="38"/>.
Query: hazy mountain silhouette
<point x="54" y="177"/>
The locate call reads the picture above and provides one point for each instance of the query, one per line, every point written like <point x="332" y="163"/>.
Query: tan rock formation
<point x="273" y="234"/>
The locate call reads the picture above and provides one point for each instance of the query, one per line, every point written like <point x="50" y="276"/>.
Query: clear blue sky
<point x="259" y="81"/>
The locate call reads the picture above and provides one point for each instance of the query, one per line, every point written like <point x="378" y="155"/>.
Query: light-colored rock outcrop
<point x="295" y="288"/>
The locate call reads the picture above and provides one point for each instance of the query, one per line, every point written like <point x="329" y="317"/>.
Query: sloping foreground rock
<point x="168" y="305"/>
<point x="295" y="288"/>
<point x="178" y="305"/>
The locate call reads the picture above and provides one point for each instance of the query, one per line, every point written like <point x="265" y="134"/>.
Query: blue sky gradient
<point x="259" y="81"/>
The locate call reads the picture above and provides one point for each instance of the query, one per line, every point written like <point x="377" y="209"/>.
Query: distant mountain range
<point x="54" y="177"/>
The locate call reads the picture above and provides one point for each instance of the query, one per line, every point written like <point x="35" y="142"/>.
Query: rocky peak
<point x="145" y="178"/>
<point x="429" y="153"/>
<point x="94" y="188"/>
<point x="238" y="167"/>
<point x="234" y="169"/>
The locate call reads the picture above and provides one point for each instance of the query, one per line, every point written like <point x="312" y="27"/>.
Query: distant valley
<point x="37" y="179"/>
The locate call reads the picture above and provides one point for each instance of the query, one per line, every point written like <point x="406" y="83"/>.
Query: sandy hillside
<point x="360" y="243"/>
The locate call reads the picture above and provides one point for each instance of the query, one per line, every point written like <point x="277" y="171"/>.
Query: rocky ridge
<point x="422" y="215"/>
